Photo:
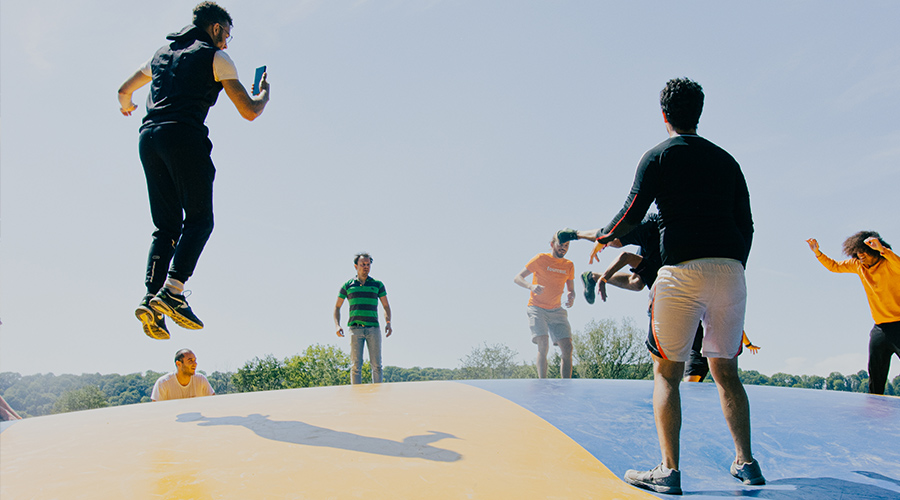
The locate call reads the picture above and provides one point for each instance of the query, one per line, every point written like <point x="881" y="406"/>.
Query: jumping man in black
<point x="186" y="77"/>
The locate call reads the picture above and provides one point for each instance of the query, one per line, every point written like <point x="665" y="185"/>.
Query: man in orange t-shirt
<point x="546" y="317"/>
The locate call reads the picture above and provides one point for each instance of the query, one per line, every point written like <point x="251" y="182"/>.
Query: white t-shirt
<point x="223" y="67"/>
<point x="168" y="387"/>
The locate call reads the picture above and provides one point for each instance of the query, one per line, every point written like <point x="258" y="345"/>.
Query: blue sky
<point x="450" y="139"/>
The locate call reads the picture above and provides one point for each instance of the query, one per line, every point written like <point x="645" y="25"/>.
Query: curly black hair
<point x="682" y="102"/>
<point x="857" y="243"/>
<point x="362" y="255"/>
<point x="209" y="13"/>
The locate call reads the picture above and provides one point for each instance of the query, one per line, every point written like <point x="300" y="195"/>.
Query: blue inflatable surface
<point x="811" y="444"/>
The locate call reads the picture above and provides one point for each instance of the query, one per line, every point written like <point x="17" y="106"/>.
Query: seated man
<point x="184" y="382"/>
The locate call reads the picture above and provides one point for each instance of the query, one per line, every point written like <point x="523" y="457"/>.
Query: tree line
<point x="605" y="349"/>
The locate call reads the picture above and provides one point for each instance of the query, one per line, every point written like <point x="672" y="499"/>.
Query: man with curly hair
<point x="878" y="267"/>
<point x="705" y="230"/>
<point x="186" y="76"/>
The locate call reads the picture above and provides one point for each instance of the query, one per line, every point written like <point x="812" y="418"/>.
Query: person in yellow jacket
<point x="878" y="268"/>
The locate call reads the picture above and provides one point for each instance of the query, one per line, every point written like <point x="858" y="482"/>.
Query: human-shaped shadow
<point x="311" y="435"/>
<point x="813" y="488"/>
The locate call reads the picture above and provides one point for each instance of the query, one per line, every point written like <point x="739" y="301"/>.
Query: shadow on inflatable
<point x="310" y="435"/>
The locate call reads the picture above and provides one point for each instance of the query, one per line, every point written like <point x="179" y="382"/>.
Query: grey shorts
<point x="554" y="322"/>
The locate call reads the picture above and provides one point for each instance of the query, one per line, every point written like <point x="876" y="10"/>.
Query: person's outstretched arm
<point x="134" y="82"/>
<point x="847" y="266"/>
<point x="248" y="106"/>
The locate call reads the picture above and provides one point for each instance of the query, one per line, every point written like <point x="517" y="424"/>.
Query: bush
<point x="84" y="398"/>
<point x="607" y="349"/>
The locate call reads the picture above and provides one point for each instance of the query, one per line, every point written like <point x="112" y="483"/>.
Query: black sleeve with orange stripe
<point x="643" y="192"/>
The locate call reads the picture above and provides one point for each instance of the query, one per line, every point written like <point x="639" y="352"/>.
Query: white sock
<point x="174" y="286"/>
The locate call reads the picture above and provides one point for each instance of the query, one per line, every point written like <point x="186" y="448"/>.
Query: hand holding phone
<point x="258" y="78"/>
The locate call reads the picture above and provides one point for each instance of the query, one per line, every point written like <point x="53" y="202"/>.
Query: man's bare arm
<point x="624" y="259"/>
<point x="248" y="106"/>
<point x="337" y="317"/>
<point x="388" y="330"/>
<point x="520" y="280"/>
<point x="134" y="82"/>
<point x="627" y="281"/>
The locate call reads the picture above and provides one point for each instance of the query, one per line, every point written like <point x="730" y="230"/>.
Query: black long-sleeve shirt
<point x="702" y="197"/>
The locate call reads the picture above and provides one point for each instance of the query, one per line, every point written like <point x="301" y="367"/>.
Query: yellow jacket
<point x="881" y="281"/>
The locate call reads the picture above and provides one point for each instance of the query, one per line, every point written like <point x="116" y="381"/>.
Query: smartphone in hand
<point x="258" y="78"/>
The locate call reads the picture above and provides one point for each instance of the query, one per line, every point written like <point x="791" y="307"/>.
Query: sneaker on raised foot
<point x="153" y="322"/>
<point x="567" y="234"/>
<point x="176" y="307"/>
<point x="656" y="480"/>
<point x="587" y="278"/>
<point x="748" y="473"/>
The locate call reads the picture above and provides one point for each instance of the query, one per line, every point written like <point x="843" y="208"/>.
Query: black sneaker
<point x="567" y="234"/>
<point x="154" y="323"/>
<point x="176" y="307"/>
<point x="587" y="278"/>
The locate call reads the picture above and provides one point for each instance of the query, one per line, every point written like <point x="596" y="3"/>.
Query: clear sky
<point x="450" y="139"/>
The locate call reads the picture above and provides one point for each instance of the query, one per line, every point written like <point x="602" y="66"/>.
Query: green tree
<point x="489" y="362"/>
<point x="397" y="374"/>
<point x="837" y="382"/>
<point x="607" y="349"/>
<point x="753" y="377"/>
<point x="222" y="382"/>
<point x="320" y="365"/>
<point x="784" y="380"/>
<point x="266" y="374"/>
<point x="128" y="389"/>
<point x="859" y="381"/>
<point x="896" y="386"/>
<point x="84" y="398"/>
<point x="7" y="380"/>
<point x="811" y="382"/>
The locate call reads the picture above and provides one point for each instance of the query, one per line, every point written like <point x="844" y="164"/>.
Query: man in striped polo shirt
<point x="364" y="293"/>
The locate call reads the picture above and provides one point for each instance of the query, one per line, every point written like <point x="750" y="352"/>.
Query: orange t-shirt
<point x="552" y="274"/>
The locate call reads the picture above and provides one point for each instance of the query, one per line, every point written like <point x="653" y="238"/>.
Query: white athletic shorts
<point x="710" y="290"/>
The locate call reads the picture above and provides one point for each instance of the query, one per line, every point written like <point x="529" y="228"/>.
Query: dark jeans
<point x="180" y="176"/>
<point x="884" y="342"/>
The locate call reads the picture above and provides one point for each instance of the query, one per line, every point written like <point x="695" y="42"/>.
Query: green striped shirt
<point x="363" y="300"/>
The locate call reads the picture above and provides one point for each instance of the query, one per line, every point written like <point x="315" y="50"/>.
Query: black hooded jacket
<point x="183" y="87"/>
